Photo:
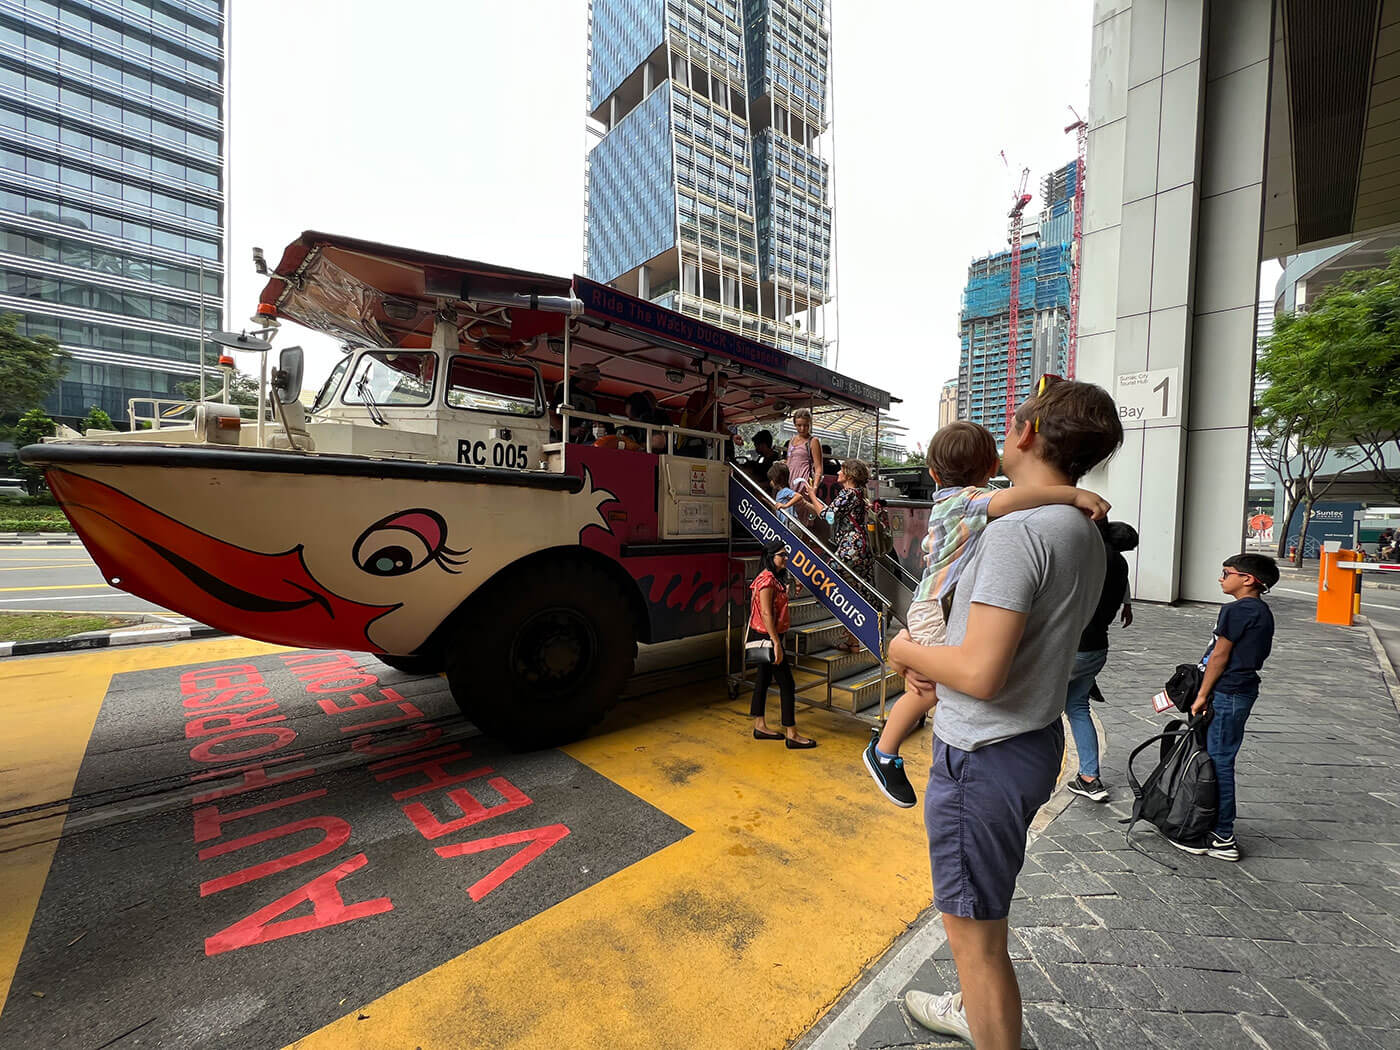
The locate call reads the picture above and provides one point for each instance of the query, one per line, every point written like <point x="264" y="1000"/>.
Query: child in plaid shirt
<point x="962" y="459"/>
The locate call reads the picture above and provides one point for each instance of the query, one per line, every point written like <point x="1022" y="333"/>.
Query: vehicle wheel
<point x="542" y="654"/>
<point x="423" y="665"/>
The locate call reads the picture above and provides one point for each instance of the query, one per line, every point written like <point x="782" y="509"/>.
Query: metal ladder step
<point x="819" y="635"/>
<point x="861" y="691"/>
<point x="837" y="664"/>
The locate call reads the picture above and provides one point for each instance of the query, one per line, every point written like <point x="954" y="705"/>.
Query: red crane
<point x="1013" y="336"/>
<point x="1076" y="250"/>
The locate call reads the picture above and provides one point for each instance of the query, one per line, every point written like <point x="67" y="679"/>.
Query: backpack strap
<point x="1178" y="732"/>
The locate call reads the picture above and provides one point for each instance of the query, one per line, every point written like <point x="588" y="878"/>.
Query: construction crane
<point x="1013" y="336"/>
<point x="1076" y="250"/>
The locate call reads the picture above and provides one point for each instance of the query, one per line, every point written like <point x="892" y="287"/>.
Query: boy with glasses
<point x="1244" y="635"/>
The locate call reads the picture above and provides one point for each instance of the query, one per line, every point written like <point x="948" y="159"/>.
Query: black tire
<point x="542" y="653"/>
<point x="424" y="665"/>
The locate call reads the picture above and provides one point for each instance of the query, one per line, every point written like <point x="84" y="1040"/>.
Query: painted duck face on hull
<point x="338" y="575"/>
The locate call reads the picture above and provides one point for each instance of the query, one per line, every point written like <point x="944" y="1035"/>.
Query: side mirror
<point x="287" y="376"/>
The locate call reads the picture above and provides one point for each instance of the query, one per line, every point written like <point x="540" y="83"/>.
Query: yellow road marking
<point x="58" y="587"/>
<point x="797" y="875"/>
<point x="31" y="569"/>
<point x="48" y="705"/>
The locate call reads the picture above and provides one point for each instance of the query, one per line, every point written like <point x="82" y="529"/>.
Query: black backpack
<point x="1180" y="796"/>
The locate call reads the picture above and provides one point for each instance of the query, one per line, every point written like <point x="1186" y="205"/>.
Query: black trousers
<point x="764" y="674"/>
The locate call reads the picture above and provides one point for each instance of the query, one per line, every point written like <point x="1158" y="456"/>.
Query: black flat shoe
<point x="793" y="745"/>
<point x="757" y="735"/>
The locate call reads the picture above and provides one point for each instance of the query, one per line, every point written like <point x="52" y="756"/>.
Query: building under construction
<point x="1044" y="307"/>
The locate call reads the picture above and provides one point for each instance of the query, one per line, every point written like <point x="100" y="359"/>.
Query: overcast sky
<point x="457" y="126"/>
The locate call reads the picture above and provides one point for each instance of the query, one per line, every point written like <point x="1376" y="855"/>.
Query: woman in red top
<point x="768" y="614"/>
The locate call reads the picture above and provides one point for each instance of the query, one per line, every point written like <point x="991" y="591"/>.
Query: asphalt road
<point x="1381" y="607"/>
<point x="63" y="579"/>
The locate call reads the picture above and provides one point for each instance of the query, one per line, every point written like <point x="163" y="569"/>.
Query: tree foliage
<point x="97" y="419"/>
<point x="242" y="389"/>
<point x="32" y="427"/>
<point x="30" y="368"/>
<point x="1333" y="375"/>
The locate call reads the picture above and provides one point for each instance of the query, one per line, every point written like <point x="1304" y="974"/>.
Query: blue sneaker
<point x="888" y="774"/>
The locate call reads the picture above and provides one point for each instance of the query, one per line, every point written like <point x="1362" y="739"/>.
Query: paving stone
<point x="1170" y="1031"/>
<point x="1111" y="1029"/>
<point x="1052" y="945"/>
<point x="1055" y="1026"/>
<point x="1282" y="1033"/>
<point x="1299" y="998"/>
<point x="1341" y="929"/>
<point x="1098" y="945"/>
<point x="1049" y="911"/>
<point x="1264" y="925"/>
<point x="1035" y="986"/>
<point x="889" y="1028"/>
<point x="1221" y="1032"/>
<point x="1129" y="886"/>
<point x="1370" y="1006"/>
<point x="1272" y="958"/>
<point x="1195" y="991"/>
<point x="1337" y="1036"/>
<point x="1133" y="985"/>
<point x="1083" y="985"/>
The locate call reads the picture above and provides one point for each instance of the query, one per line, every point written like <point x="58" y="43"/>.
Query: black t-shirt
<point x="1249" y="624"/>
<point x="1115" y="589"/>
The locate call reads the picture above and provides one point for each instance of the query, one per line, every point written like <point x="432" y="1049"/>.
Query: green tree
<point x="242" y="389"/>
<point x="32" y="427"/>
<point x="30" y="368"/>
<point x="1333" y="375"/>
<point x="97" y="420"/>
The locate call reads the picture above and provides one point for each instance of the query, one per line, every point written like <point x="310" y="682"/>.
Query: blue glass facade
<point x="1043" y="311"/>
<point x="624" y="33"/>
<point x="631" y="194"/>
<point x="749" y="246"/>
<point x="111" y="188"/>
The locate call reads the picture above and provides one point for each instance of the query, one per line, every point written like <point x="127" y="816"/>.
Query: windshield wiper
<point x="362" y="388"/>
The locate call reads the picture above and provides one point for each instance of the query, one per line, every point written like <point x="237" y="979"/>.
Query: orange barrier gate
<point x="1338" y="586"/>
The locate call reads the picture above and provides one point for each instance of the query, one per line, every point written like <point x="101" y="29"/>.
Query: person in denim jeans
<point x="1243" y="638"/>
<point x="1093" y="654"/>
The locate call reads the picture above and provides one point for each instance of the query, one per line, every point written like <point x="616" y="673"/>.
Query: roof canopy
<point x="375" y="295"/>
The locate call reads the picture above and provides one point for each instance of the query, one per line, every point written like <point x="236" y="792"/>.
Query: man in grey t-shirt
<point x="1047" y="563"/>
<point x="1017" y="615"/>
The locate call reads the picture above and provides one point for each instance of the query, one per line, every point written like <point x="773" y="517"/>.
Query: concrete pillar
<point x="643" y="282"/>
<point x="646" y="79"/>
<point x="1173" y="219"/>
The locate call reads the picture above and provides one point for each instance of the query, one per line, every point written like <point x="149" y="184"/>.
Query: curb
<point x="106" y="639"/>
<point x="1387" y="669"/>
<point x="39" y="539"/>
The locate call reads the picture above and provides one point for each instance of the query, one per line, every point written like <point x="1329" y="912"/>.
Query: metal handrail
<point x="671" y="432"/>
<point x="812" y="541"/>
<point x="167" y="412"/>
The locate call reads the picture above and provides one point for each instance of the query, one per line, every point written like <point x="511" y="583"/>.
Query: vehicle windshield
<point x="328" y="388"/>
<point x="393" y="377"/>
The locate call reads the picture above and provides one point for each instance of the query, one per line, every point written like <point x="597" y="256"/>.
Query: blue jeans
<point x="1081" y="680"/>
<point x="1223" y="740"/>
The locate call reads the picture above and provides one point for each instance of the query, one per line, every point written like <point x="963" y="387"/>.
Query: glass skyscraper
<point x="111" y="188"/>
<point x="706" y="191"/>
<point x="1042" y="321"/>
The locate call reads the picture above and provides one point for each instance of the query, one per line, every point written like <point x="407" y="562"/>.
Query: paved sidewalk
<point x="1295" y="946"/>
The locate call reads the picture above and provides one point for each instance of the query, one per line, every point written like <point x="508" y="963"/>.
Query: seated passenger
<point x="582" y="385"/>
<point x="641" y="407"/>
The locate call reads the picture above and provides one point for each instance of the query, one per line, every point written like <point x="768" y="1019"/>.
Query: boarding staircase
<point x="860" y="683"/>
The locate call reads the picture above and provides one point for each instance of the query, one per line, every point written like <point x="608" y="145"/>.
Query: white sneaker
<point x="939" y="1013"/>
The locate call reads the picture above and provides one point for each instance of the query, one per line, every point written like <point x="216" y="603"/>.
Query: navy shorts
<point x="978" y="810"/>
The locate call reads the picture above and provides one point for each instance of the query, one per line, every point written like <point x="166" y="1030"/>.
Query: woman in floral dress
<point x="849" y="537"/>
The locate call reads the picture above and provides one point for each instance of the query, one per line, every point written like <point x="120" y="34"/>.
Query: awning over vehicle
<point x="375" y="295"/>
